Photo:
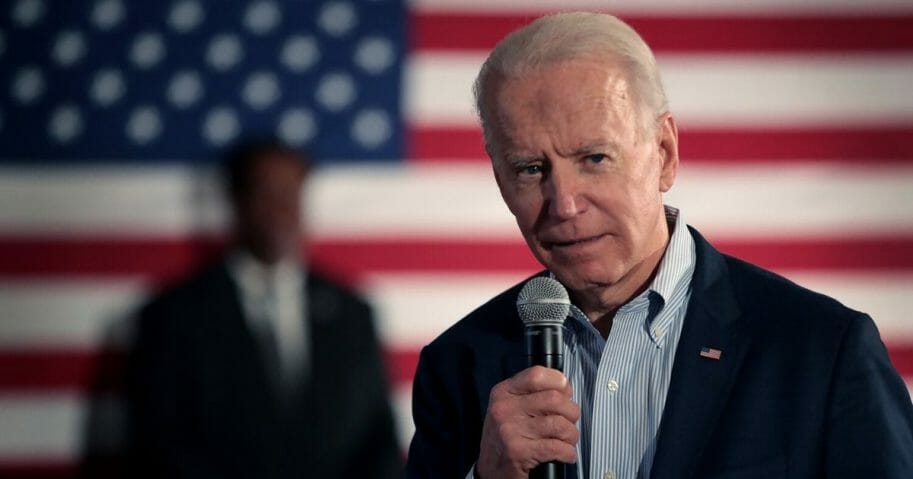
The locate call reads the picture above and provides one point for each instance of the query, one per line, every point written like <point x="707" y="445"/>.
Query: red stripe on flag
<point x="902" y="357"/>
<point x="859" y="254"/>
<point x="164" y="259"/>
<point x="41" y="469"/>
<point x="401" y="365"/>
<point x="885" y="144"/>
<point x="692" y="34"/>
<point x="95" y="467"/>
<point x="55" y="369"/>
<point x="352" y="257"/>
<point x="161" y="259"/>
<point x="77" y="370"/>
<point x="48" y="369"/>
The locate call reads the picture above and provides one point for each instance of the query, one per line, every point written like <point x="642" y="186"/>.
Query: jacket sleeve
<point x="438" y="448"/>
<point x="157" y="426"/>
<point x="376" y="451"/>
<point x="870" y="417"/>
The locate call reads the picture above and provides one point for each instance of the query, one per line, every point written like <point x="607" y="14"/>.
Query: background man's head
<point x="264" y="179"/>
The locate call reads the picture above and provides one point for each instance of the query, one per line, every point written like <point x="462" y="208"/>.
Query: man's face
<point x="269" y="216"/>
<point x="578" y="171"/>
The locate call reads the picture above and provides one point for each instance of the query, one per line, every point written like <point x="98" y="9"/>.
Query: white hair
<point x="571" y="36"/>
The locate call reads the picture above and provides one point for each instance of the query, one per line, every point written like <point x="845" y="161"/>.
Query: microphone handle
<point x="545" y="347"/>
<point x="548" y="470"/>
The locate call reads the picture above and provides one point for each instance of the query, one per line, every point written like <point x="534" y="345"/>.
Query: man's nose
<point x="563" y="193"/>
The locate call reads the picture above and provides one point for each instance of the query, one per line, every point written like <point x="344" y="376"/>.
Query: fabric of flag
<point x="795" y="136"/>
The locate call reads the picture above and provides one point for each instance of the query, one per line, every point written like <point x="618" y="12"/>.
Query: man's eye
<point x="529" y="169"/>
<point x="596" y="158"/>
<point x="533" y="169"/>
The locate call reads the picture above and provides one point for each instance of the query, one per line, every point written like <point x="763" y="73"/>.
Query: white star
<point x="297" y="126"/>
<point x="184" y="89"/>
<point x="374" y="54"/>
<point x="262" y="17"/>
<point x="300" y="52"/>
<point x="28" y="12"/>
<point x="185" y="16"/>
<point x="261" y="90"/>
<point x="69" y="48"/>
<point x="65" y="123"/>
<point x="335" y="91"/>
<point x="28" y="85"/>
<point x="107" y="87"/>
<point x="337" y="18"/>
<point x="148" y="49"/>
<point x="144" y="125"/>
<point x="224" y="52"/>
<point x="371" y="128"/>
<point x="107" y="14"/>
<point x="221" y="126"/>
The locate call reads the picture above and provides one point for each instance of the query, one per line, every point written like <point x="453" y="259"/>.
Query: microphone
<point x="543" y="305"/>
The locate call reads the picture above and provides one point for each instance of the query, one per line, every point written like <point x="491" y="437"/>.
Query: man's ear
<point x="667" y="147"/>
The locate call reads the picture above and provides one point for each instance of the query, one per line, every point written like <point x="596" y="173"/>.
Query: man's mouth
<point x="573" y="242"/>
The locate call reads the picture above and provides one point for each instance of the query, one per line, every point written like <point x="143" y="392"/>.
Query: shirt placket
<point x="614" y="400"/>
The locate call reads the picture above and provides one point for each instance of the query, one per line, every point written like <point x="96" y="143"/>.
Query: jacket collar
<point x="700" y="386"/>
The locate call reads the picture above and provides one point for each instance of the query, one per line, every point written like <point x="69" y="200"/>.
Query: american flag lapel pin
<point x="711" y="353"/>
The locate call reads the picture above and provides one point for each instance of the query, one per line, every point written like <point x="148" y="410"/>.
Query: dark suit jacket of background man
<point x="202" y="406"/>
<point x="804" y="387"/>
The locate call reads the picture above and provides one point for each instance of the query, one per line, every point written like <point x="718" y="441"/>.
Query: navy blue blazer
<point x="804" y="387"/>
<point x="202" y="405"/>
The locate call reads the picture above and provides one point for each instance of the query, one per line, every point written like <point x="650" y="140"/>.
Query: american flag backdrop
<point x="796" y="132"/>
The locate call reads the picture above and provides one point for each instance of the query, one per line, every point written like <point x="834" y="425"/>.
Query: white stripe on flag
<point x="713" y="90"/>
<point x="52" y="427"/>
<point x="412" y="308"/>
<point x="58" y="313"/>
<point x="455" y="202"/>
<point x="41" y="427"/>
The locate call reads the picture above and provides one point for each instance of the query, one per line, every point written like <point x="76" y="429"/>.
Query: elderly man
<point x="680" y="361"/>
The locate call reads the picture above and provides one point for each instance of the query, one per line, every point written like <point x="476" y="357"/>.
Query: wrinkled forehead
<point x="570" y="96"/>
<point x="593" y="67"/>
<point x="574" y="92"/>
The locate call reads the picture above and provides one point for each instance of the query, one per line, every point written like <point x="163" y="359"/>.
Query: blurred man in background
<point x="258" y="367"/>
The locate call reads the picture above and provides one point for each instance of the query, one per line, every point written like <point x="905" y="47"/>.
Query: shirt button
<point x="612" y="386"/>
<point x="608" y="475"/>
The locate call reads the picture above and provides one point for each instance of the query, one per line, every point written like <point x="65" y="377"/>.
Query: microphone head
<point x="543" y="302"/>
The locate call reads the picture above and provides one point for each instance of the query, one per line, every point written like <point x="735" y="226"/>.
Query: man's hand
<point x="531" y="419"/>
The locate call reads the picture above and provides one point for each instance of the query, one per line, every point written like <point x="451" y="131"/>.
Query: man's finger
<point x="552" y="427"/>
<point x="546" y="450"/>
<point x="550" y="402"/>
<point x="538" y="378"/>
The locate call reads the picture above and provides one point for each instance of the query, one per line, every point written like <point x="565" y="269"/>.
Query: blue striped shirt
<point x="621" y="382"/>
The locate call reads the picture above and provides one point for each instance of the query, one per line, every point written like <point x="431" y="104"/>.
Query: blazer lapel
<point x="700" y="386"/>
<point x="324" y="307"/>
<point x="239" y="341"/>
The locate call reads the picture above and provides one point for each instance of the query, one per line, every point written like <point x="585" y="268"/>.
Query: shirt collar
<point x="257" y="278"/>
<point x="672" y="279"/>
<point x="673" y="276"/>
